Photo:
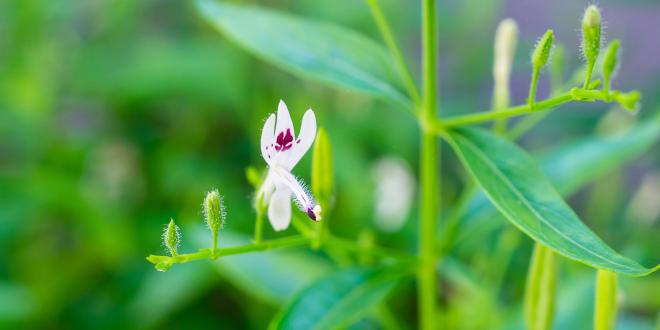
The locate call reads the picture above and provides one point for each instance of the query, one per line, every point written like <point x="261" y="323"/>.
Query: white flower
<point x="395" y="188"/>
<point x="282" y="150"/>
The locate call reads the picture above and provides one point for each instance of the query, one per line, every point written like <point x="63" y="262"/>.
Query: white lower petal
<point x="279" y="209"/>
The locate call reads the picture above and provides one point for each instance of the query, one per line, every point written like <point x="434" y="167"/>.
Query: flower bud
<point x="611" y="60"/>
<point x="542" y="51"/>
<point x="506" y="38"/>
<point x="591" y="38"/>
<point x="214" y="211"/>
<point x="322" y="171"/>
<point x="171" y="237"/>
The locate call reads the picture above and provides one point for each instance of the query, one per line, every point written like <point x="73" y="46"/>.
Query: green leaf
<point x="515" y="184"/>
<point x="570" y="167"/>
<point x="338" y="299"/>
<point x="322" y="51"/>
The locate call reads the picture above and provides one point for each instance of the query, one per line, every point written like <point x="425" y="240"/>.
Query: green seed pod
<point x="611" y="60"/>
<point x="606" y="292"/>
<point x="591" y="38"/>
<point x="542" y="51"/>
<point x="172" y="237"/>
<point x="214" y="211"/>
<point x="540" y="290"/>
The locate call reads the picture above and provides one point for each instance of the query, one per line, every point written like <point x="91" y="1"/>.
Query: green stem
<point x="575" y="94"/>
<point x="509" y="112"/>
<point x="209" y="254"/>
<point x="590" y="69"/>
<point x="531" y="100"/>
<point x="259" y="222"/>
<point x="214" y="244"/>
<point x="426" y="286"/>
<point x="390" y="42"/>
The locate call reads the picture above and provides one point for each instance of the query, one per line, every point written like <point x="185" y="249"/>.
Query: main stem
<point x="426" y="287"/>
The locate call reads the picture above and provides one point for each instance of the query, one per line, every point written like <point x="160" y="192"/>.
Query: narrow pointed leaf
<point x="570" y="167"/>
<point x="338" y="299"/>
<point x="322" y="51"/>
<point x="517" y="187"/>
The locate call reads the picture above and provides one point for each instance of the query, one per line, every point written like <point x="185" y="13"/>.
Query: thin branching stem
<point x="576" y="94"/>
<point x="390" y="42"/>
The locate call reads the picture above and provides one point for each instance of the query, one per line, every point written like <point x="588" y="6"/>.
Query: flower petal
<point x="279" y="209"/>
<point x="267" y="140"/>
<point x="285" y="136"/>
<point x="304" y="140"/>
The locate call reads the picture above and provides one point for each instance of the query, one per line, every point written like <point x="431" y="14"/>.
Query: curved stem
<point x="390" y="42"/>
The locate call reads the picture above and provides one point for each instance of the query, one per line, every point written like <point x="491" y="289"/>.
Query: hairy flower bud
<point x="214" y="211"/>
<point x="171" y="237"/>
<point x="591" y="36"/>
<point x="542" y="51"/>
<point x="611" y="60"/>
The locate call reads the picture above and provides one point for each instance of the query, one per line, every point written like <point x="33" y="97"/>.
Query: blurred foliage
<point x="117" y="115"/>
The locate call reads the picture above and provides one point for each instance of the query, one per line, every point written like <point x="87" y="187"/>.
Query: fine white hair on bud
<point x="172" y="237"/>
<point x="214" y="211"/>
<point x="591" y="33"/>
<point x="542" y="51"/>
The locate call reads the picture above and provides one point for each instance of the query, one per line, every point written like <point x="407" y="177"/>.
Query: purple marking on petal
<point x="298" y="141"/>
<point x="284" y="141"/>
<point x="310" y="213"/>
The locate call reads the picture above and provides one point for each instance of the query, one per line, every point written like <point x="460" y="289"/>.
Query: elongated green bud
<point x="605" y="310"/>
<point x="172" y="237"/>
<point x="540" y="289"/>
<point x="591" y="38"/>
<point x="322" y="171"/>
<point x="542" y="51"/>
<point x="214" y="213"/>
<point x="540" y="57"/>
<point x="611" y="60"/>
<point x="322" y="179"/>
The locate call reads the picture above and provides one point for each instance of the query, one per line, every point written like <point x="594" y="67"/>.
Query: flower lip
<point x="314" y="213"/>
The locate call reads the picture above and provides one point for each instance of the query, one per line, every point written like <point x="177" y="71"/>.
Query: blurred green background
<point x="117" y="115"/>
